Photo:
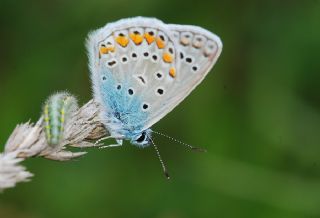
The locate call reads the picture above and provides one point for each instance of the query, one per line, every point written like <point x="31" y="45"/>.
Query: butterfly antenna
<point x="180" y="142"/>
<point x="160" y="159"/>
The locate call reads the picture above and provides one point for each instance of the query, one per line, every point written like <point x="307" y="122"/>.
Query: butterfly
<point x="142" y="68"/>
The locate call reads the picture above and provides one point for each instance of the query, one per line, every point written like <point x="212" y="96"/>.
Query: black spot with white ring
<point x="145" y="106"/>
<point x="112" y="63"/>
<point x="189" y="60"/>
<point x="130" y="91"/>
<point x="124" y="59"/>
<point x="160" y="91"/>
<point x="134" y="55"/>
<point x="154" y="57"/>
<point x="194" y="68"/>
<point x="159" y="75"/>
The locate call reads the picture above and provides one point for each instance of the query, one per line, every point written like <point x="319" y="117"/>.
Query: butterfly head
<point x="143" y="139"/>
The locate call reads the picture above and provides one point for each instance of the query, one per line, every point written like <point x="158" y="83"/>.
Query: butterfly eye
<point x="141" y="138"/>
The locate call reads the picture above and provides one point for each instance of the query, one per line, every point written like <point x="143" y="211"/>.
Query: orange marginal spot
<point x="103" y="50"/>
<point x="122" y="40"/>
<point x="149" y="38"/>
<point x="110" y="48"/>
<point x="167" y="57"/>
<point x="160" y="43"/>
<point x="106" y="49"/>
<point x="172" y="72"/>
<point x="136" y="38"/>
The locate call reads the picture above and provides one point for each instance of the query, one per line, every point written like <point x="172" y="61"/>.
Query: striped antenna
<point x="165" y="172"/>
<point x="180" y="142"/>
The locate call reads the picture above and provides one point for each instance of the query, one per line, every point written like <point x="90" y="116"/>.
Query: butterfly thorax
<point x="119" y="129"/>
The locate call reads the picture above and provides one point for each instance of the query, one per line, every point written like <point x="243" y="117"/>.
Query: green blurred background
<point x="257" y="113"/>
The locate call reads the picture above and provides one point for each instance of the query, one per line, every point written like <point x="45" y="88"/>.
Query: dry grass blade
<point x="28" y="140"/>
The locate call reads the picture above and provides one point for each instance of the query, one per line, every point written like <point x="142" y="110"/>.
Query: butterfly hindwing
<point x="197" y="51"/>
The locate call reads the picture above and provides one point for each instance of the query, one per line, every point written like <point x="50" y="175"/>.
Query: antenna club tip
<point x="167" y="175"/>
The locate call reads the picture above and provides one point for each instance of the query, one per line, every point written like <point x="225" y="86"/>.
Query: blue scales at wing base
<point x="122" y="106"/>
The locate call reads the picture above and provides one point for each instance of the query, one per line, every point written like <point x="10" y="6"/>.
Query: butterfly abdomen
<point x="56" y="111"/>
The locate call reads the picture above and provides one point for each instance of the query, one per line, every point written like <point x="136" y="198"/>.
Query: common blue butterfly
<point x="141" y="69"/>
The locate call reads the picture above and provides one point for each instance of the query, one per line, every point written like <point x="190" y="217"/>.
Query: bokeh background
<point x="257" y="113"/>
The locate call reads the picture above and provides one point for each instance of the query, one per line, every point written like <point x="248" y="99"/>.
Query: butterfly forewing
<point x="138" y="55"/>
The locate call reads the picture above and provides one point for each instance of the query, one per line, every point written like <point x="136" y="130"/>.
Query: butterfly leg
<point x="119" y="143"/>
<point x="97" y="143"/>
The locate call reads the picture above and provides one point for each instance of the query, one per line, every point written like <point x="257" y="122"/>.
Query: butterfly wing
<point x="132" y="55"/>
<point x="155" y="65"/>
<point x="197" y="51"/>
